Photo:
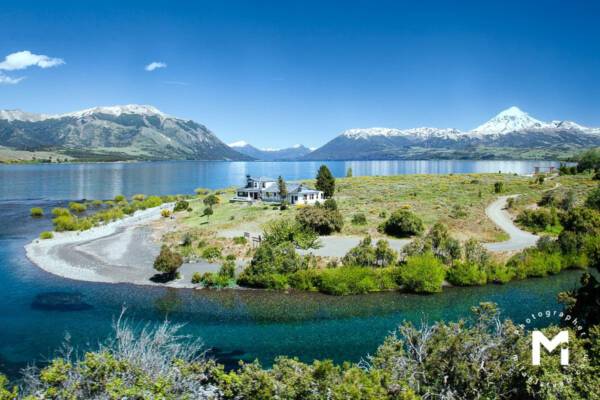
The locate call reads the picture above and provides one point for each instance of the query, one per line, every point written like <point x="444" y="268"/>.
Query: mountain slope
<point x="510" y="134"/>
<point x="287" y="154"/>
<point x="131" y="132"/>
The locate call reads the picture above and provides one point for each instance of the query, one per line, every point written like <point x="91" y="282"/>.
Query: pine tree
<point x="349" y="173"/>
<point x="282" y="188"/>
<point x="325" y="181"/>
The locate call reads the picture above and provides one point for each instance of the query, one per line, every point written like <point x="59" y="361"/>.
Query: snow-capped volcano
<point x="511" y="133"/>
<point x="510" y="120"/>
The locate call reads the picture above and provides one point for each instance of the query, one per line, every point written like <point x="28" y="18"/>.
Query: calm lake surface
<point x="235" y="324"/>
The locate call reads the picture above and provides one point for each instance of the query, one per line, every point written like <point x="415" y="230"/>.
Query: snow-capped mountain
<point x="512" y="133"/>
<point x="510" y="120"/>
<point x="114" y="133"/>
<point x="116" y="111"/>
<point x="269" y="154"/>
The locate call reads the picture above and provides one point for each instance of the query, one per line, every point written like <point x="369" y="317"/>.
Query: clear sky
<point x="276" y="73"/>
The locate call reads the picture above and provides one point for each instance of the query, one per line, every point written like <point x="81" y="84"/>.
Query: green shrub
<point x="202" y="191"/>
<point x="500" y="273"/>
<point x="240" y="240"/>
<point x="196" y="277"/>
<point x="498" y="187"/>
<point x="138" y="197"/>
<point x="538" y="220"/>
<point x="403" y="223"/>
<point x="59" y="211"/>
<point x="119" y="198"/>
<point x="212" y="280"/>
<point x="535" y="263"/>
<point x="65" y="223"/>
<point x="321" y="219"/>
<point x="304" y="280"/>
<point x="354" y="280"/>
<point x="273" y="280"/>
<point x="211" y="253"/>
<point x="287" y="230"/>
<point x="593" y="199"/>
<point x="36" y="212"/>
<point x="365" y="255"/>
<point x="181" y="205"/>
<point x="359" y="219"/>
<point x="168" y="262"/>
<point x="423" y="274"/>
<point x="466" y="274"/>
<point x="46" y="235"/>
<point x="77" y="207"/>
<point x="227" y="269"/>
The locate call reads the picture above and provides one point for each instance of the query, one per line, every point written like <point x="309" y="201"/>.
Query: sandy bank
<point x="122" y="251"/>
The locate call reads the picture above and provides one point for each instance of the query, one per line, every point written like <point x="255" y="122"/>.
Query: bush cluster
<point x="402" y="223"/>
<point x="481" y="357"/>
<point x="322" y="219"/>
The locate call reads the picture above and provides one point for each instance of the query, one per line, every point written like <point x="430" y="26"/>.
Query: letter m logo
<point x="538" y="340"/>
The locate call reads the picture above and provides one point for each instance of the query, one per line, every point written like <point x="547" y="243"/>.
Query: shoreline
<point x="55" y="255"/>
<point x="123" y="251"/>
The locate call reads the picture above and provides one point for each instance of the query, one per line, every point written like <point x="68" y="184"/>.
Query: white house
<point x="267" y="190"/>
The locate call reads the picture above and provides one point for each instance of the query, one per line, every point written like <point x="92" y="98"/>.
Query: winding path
<point x="519" y="239"/>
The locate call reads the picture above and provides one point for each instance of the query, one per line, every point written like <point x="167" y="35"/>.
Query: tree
<point x="325" y="181"/>
<point x="168" y="262"/>
<point x="349" y="172"/>
<point x="593" y="200"/>
<point x="208" y="211"/>
<point x="589" y="160"/>
<point x="282" y="188"/>
<point x="498" y="187"/>
<point x="211" y="200"/>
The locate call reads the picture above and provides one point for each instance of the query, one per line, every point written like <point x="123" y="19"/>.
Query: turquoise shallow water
<point x="235" y="324"/>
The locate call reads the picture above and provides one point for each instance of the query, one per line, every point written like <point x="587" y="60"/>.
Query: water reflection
<point x="106" y="180"/>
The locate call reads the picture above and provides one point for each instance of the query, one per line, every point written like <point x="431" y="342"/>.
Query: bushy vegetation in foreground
<point x="480" y="358"/>
<point x="425" y="265"/>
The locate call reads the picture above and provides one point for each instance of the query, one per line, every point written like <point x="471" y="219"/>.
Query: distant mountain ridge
<point x="288" y="154"/>
<point x="510" y="134"/>
<point x="128" y="132"/>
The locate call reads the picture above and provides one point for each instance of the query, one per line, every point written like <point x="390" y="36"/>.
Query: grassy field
<point x="459" y="201"/>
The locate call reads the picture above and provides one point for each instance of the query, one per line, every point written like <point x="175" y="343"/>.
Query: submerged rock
<point x="60" y="301"/>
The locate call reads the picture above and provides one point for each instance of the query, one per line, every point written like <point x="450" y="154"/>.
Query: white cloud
<point x="25" y="59"/>
<point x="7" y="80"/>
<point x="155" y="65"/>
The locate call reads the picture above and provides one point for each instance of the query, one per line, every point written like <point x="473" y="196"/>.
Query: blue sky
<point x="277" y="73"/>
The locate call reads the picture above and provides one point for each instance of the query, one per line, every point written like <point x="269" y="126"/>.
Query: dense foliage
<point x="325" y="181"/>
<point x="323" y="219"/>
<point x="403" y="223"/>
<point x="168" y="262"/>
<point x="479" y="358"/>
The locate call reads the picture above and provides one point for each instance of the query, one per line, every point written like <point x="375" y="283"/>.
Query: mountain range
<point x="130" y="132"/>
<point x="291" y="153"/>
<point x="141" y="132"/>
<point x="512" y="134"/>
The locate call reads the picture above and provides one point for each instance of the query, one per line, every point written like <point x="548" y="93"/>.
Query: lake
<point x="242" y="324"/>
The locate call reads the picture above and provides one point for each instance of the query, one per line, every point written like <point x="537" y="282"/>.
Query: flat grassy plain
<point x="457" y="200"/>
